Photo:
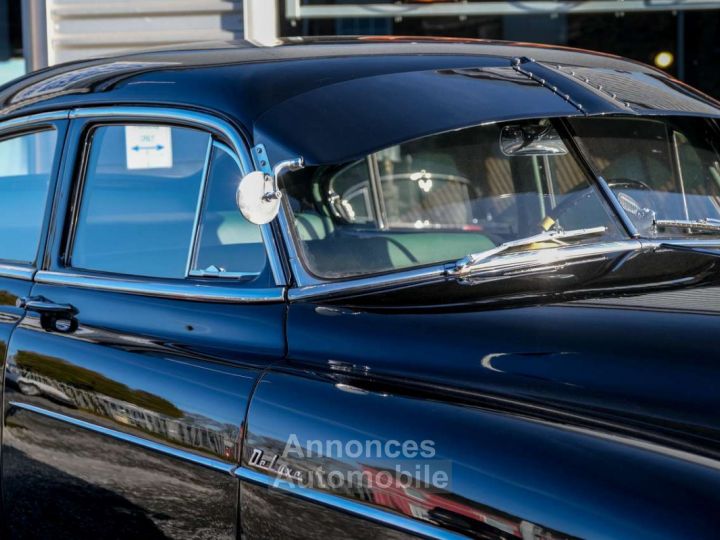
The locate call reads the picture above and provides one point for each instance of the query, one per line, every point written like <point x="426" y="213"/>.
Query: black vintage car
<point x="359" y="288"/>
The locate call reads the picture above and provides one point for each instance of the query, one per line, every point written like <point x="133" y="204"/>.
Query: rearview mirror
<point x="254" y="200"/>
<point x="258" y="195"/>
<point x="531" y="140"/>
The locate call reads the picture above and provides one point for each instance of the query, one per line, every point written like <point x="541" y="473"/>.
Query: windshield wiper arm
<point x="707" y="224"/>
<point x="467" y="264"/>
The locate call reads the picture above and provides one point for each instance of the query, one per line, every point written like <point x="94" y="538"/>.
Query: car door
<point x="156" y="310"/>
<point x="30" y="150"/>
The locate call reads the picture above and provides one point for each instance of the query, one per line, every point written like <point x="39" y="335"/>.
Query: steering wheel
<point x="630" y="204"/>
<point x="642" y="209"/>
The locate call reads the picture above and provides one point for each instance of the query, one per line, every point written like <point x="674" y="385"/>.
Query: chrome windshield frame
<point x="569" y="138"/>
<point x="307" y="285"/>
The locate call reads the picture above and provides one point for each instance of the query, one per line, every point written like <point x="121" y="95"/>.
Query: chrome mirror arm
<point x="281" y="168"/>
<point x="258" y="193"/>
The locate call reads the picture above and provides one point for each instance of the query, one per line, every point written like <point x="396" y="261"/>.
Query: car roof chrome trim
<point x="32" y="119"/>
<point x="16" y="272"/>
<point x="440" y="271"/>
<point x="349" y="506"/>
<point x="180" y="289"/>
<point x="205" y="120"/>
<point x="132" y="439"/>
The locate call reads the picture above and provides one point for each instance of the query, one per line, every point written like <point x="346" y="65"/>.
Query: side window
<point x="26" y="163"/>
<point x="139" y="200"/>
<point x="159" y="201"/>
<point x="227" y="243"/>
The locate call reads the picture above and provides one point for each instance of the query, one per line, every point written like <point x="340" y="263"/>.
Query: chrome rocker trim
<point x="347" y="505"/>
<point x="138" y="441"/>
<point x="243" y="473"/>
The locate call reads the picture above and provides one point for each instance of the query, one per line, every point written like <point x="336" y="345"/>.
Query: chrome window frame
<point x="194" y="252"/>
<point x="17" y="126"/>
<point x="222" y="290"/>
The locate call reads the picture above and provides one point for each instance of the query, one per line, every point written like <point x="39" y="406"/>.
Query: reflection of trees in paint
<point x="87" y="379"/>
<point x="7" y="299"/>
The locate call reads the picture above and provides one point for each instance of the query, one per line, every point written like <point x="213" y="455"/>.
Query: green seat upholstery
<point x="312" y="226"/>
<point x="432" y="247"/>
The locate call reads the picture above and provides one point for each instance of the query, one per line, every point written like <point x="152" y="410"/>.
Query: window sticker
<point x="148" y="147"/>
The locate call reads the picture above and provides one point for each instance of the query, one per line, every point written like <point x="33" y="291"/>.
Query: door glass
<point x="140" y="200"/>
<point x="227" y="242"/>
<point x="25" y="172"/>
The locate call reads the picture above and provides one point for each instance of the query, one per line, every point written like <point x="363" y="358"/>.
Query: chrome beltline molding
<point x="139" y="441"/>
<point x="243" y="473"/>
<point x="318" y="289"/>
<point x="347" y="505"/>
<point x="520" y="260"/>
<point x="17" y="272"/>
<point x="182" y="290"/>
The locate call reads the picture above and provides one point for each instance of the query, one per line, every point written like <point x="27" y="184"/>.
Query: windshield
<point x="665" y="172"/>
<point x="440" y="198"/>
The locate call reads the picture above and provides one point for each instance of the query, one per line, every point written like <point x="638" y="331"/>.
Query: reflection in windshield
<point x="663" y="171"/>
<point x="440" y="198"/>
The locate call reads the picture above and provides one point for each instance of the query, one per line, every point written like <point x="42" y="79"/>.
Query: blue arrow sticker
<point x="148" y="147"/>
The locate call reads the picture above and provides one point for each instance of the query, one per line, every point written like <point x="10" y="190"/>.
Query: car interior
<point x="428" y="201"/>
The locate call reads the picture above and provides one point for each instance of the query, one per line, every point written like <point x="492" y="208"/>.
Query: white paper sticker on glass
<point x="148" y="147"/>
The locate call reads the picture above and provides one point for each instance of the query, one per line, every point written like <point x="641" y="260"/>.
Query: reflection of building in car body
<point x="190" y="430"/>
<point x="430" y="503"/>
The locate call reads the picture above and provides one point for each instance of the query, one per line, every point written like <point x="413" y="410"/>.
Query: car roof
<point x="335" y="99"/>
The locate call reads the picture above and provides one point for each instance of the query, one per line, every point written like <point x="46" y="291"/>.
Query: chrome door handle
<point x="43" y="305"/>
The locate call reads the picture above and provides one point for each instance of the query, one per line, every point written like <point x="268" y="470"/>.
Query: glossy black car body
<point x="154" y="408"/>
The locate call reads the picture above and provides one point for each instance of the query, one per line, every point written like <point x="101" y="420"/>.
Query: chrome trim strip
<point x="285" y="219"/>
<point x="505" y="262"/>
<point x="692" y="242"/>
<point x="16" y="272"/>
<point x="182" y="290"/>
<point x="276" y="265"/>
<point x="202" y="195"/>
<point x="614" y="203"/>
<point x="349" y="506"/>
<point x="33" y="119"/>
<point x="132" y="439"/>
<point x="329" y="288"/>
<point x="207" y="121"/>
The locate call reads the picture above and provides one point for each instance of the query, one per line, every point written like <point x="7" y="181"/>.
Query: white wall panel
<point x="90" y="28"/>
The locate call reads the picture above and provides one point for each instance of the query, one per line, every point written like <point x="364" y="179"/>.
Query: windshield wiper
<point x="469" y="263"/>
<point x="703" y="225"/>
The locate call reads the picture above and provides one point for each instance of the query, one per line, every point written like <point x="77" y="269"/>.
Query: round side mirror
<point x="253" y="200"/>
